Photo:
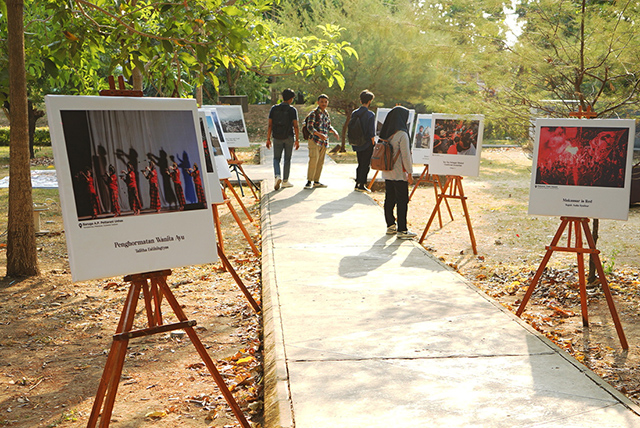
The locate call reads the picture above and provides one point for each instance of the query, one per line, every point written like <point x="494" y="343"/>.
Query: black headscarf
<point x="395" y="121"/>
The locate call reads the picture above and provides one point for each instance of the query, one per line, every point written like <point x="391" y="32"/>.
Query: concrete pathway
<point x="364" y="330"/>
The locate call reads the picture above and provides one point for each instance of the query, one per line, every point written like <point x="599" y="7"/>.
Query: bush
<point x="41" y="137"/>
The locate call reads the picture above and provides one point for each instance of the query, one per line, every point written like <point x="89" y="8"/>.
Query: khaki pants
<point x="316" y="161"/>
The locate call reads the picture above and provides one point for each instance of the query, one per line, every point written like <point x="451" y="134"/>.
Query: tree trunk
<point x="343" y="146"/>
<point x="22" y="257"/>
<point x="136" y="75"/>
<point x="34" y="115"/>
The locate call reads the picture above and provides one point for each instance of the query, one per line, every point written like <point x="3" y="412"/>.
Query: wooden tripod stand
<point x="236" y="165"/>
<point x="452" y="190"/>
<point x="578" y="225"/>
<point x="154" y="287"/>
<point x="425" y="177"/>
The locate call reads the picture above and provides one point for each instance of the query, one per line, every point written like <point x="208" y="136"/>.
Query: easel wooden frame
<point x="154" y="287"/>
<point x="425" y="177"/>
<point x="452" y="190"/>
<point x="227" y="184"/>
<point x="234" y="213"/>
<point x="577" y="225"/>
<point x="236" y="165"/>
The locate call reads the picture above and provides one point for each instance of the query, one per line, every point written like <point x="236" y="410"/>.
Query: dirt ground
<point x="511" y="245"/>
<point x="55" y="336"/>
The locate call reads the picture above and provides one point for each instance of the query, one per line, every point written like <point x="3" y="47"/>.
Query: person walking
<point x="364" y="151"/>
<point x="283" y="126"/>
<point x="396" y="181"/>
<point x="319" y="125"/>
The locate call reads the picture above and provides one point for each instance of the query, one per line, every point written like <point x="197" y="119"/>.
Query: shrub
<point x="41" y="137"/>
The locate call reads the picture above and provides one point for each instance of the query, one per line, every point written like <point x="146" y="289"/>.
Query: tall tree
<point x="22" y="258"/>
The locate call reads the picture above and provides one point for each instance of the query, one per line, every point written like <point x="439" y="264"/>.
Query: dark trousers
<point x="396" y="195"/>
<point x="364" y="160"/>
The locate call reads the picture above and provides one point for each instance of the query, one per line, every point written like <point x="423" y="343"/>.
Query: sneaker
<point x="278" y="182"/>
<point x="286" y="183"/>
<point x="359" y="189"/>
<point x="391" y="230"/>
<point x="317" y="184"/>
<point x="406" y="235"/>
<point x="365" y="189"/>
<point x="309" y="185"/>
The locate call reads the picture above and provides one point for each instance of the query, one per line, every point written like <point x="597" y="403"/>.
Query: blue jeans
<point x="278" y="147"/>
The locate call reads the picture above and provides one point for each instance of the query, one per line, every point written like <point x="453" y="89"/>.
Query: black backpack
<point x="281" y="122"/>
<point x="355" y="133"/>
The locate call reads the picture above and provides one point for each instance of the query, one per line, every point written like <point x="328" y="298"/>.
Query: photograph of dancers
<point x="174" y="172"/>
<point x="100" y="142"/>
<point x="582" y="156"/>
<point x="197" y="180"/>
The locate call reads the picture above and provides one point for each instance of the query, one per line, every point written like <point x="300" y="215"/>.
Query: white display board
<point x="421" y="143"/>
<point x="456" y="143"/>
<point x="94" y="136"/>
<point x="213" y="156"/>
<point x="232" y="123"/>
<point x="381" y="115"/>
<point x="582" y="168"/>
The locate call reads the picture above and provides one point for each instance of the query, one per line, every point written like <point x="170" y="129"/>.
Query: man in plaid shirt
<point x="319" y="126"/>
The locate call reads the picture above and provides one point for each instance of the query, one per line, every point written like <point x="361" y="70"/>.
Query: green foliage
<point x="41" y="137"/>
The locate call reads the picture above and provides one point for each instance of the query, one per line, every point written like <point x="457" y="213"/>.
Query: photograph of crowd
<point x="231" y="119"/>
<point x="131" y="162"/>
<point x="582" y="156"/>
<point x="455" y="136"/>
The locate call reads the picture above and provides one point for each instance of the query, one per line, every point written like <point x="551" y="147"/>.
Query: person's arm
<point x="269" y="133"/>
<point x="296" y="131"/>
<point x="405" y="154"/>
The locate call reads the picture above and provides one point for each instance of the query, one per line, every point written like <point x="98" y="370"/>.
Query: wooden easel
<point x="452" y="190"/>
<point x="425" y="177"/>
<point x="216" y="218"/>
<point x="578" y="225"/>
<point x="236" y="165"/>
<point x="154" y="288"/>
<point x="373" y="180"/>
<point x="226" y="184"/>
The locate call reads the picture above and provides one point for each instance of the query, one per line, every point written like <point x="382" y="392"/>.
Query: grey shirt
<point x="400" y="141"/>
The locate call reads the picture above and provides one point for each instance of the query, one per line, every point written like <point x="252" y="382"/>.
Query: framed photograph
<point x="582" y="168"/>
<point x="232" y="124"/>
<point x="217" y="167"/>
<point x="456" y="142"/>
<point x="221" y="151"/>
<point x="131" y="188"/>
<point x="421" y="144"/>
<point x="381" y="115"/>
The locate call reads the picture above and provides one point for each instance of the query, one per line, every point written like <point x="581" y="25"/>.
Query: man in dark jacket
<point x="364" y="151"/>
<point x="283" y="125"/>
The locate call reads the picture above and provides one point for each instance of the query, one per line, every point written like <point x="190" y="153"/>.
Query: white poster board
<point x="121" y="232"/>
<point x="213" y="156"/>
<point x="456" y="143"/>
<point x="421" y="143"/>
<point x="381" y="115"/>
<point x="582" y="168"/>
<point x="232" y="123"/>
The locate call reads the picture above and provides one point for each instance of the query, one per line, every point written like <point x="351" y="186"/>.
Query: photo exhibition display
<point x="232" y="123"/>
<point x="582" y="168"/>
<point x="215" y="161"/>
<point x="132" y="187"/>
<point x="456" y="142"/>
<point x="421" y="143"/>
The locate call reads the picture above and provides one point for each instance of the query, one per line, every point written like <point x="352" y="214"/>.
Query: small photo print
<point x="422" y="136"/>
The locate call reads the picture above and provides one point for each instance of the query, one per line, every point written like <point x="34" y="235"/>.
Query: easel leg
<point x="216" y="221"/>
<point x="581" y="278"/>
<point x="244" y="208"/>
<point x="543" y="264"/>
<point x="425" y="172"/>
<point x="115" y="361"/>
<point x="238" y="280"/>
<point x="372" y="180"/>
<point x="463" y="199"/>
<point x="436" y="209"/>
<point x="244" y="229"/>
<point x="605" y="288"/>
<point x="203" y="354"/>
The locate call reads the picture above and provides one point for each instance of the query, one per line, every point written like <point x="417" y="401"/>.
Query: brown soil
<point x="511" y="245"/>
<point x="55" y="335"/>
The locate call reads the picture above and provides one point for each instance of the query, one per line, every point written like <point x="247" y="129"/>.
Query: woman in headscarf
<point x="394" y="129"/>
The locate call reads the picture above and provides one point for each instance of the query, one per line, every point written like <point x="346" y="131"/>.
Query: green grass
<point x="39" y="151"/>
